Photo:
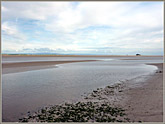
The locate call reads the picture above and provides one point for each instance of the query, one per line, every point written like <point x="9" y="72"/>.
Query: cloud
<point x="113" y="14"/>
<point x="107" y="27"/>
<point x="11" y="37"/>
<point x="11" y="30"/>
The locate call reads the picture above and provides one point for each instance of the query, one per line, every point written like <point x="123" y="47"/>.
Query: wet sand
<point x="141" y="98"/>
<point x="142" y="101"/>
<point x="36" y="65"/>
<point x="145" y="103"/>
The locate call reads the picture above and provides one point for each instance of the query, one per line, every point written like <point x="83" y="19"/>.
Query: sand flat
<point x="142" y="103"/>
<point x="35" y="65"/>
<point x="146" y="103"/>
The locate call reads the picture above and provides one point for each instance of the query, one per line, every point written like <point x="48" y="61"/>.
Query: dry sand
<point x="36" y="65"/>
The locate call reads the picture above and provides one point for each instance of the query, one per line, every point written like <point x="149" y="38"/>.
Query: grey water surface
<point x="30" y="90"/>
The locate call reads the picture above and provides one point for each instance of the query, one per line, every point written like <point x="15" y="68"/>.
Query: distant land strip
<point x="52" y="55"/>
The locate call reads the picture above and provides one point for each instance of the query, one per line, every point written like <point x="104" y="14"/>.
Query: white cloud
<point x="12" y="31"/>
<point x="76" y="26"/>
<point x="31" y="10"/>
<point x="118" y="15"/>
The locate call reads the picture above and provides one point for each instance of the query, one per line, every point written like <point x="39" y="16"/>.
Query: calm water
<point x="27" y="91"/>
<point x="29" y="59"/>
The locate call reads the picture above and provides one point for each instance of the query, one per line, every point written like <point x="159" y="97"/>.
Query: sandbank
<point x="35" y="65"/>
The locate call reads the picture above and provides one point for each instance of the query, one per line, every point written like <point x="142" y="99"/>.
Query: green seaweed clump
<point x="78" y="112"/>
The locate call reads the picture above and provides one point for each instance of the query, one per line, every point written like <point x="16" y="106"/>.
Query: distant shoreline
<point x="29" y="55"/>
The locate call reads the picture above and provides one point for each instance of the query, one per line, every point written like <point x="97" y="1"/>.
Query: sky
<point x="98" y="28"/>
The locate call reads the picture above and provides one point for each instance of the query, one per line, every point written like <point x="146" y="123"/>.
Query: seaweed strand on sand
<point x="93" y="108"/>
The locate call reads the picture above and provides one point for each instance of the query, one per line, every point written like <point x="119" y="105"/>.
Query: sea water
<point x="30" y="90"/>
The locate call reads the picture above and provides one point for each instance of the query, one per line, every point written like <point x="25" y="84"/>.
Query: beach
<point x="145" y="103"/>
<point x="36" y="65"/>
<point x="139" y="99"/>
<point x="14" y="67"/>
<point x="142" y="100"/>
<point x="82" y="61"/>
